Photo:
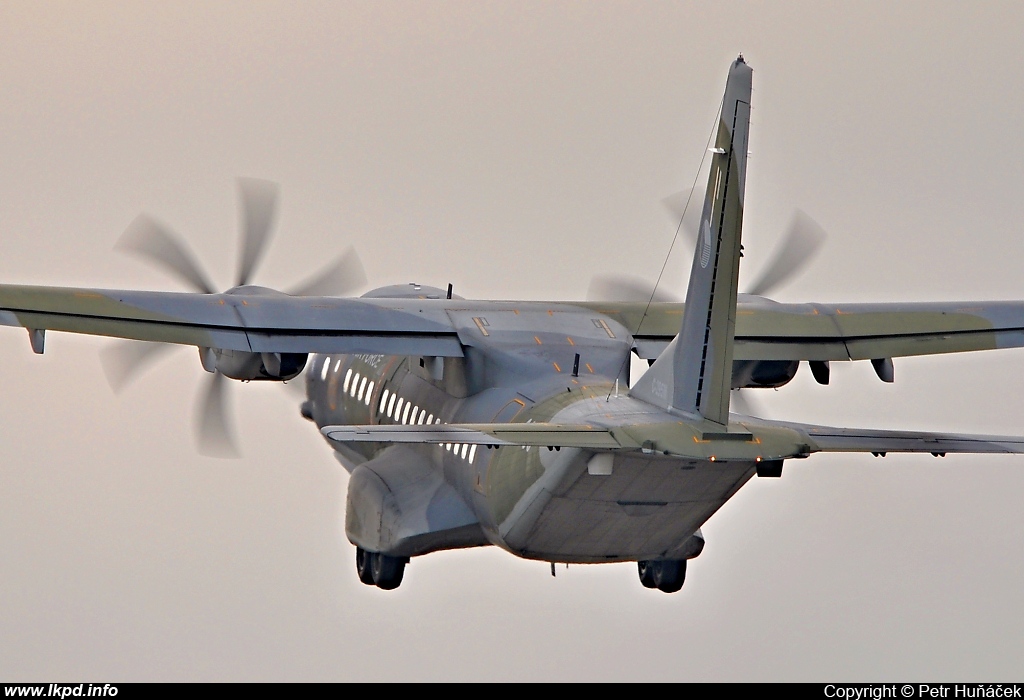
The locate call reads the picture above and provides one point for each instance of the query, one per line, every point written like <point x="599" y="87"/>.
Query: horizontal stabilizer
<point x="521" y="434"/>
<point x="826" y="439"/>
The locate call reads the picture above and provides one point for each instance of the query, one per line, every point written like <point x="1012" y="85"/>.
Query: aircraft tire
<point x="669" y="574"/>
<point x="387" y="571"/>
<point x="364" y="566"/>
<point x="646" y="571"/>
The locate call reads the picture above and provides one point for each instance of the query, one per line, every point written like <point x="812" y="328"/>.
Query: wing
<point x="827" y="439"/>
<point x="521" y="434"/>
<point x="259" y="322"/>
<point x="768" y="330"/>
<point x="274" y="322"/>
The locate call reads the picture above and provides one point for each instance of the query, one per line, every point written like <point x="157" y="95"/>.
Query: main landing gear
<point x="667" y="575"/>
<point x="380" y="570"/>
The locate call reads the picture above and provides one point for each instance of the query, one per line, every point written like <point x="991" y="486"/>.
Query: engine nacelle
<point x="253" y="366"/>
<point x="749" y="374"/>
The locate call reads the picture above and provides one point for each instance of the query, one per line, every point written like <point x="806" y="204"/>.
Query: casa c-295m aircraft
<point x="511" y="423"/>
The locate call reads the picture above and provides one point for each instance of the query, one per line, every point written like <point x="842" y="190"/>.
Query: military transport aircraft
<point x="509" y="423"/>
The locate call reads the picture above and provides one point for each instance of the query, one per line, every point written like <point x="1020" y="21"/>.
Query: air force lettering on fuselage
<point x="374" y="361"/>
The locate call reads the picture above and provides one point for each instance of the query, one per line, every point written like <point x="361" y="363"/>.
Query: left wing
<point x="257" y="322"/>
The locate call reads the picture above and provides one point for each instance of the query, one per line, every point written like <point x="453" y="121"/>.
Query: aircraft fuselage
<point x="565" y="505"/>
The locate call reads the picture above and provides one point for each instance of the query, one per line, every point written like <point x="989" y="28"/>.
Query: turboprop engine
<point x="253" y="366"/>
<point x="154" y="242"/>
<point x="749" y="374"/>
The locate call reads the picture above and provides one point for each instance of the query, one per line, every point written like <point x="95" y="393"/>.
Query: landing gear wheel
<point x="387" y="571"/>
<point x="364" y="566"/>
<point x="669" y="575"/>
<point x="646" y="571"/>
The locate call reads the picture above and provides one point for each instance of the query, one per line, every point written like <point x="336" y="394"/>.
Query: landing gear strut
<point x="667" y="575"/>
<point x="381" y="570"/>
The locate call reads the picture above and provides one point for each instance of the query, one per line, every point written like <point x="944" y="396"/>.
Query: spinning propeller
<point x="151" y="240"/>
<point x="801" y="241"/>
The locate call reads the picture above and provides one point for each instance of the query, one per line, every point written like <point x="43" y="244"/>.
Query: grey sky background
<point x="513" y="149"/>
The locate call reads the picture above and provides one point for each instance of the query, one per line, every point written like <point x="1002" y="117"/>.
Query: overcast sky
<point x="513" y="149"/>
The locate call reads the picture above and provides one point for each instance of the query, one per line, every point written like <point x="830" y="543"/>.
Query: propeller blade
<point x="688" y="214"/>
<point x="739" y="402"/>
<point x="625" y="288"/>
<point x="149" y="239"/>
<point x="802" y="241"/>
<point x="346" y="274"/>
<point x="296" y="387"/>
<point x="259" y="207"/>
<point x="214" y="432"/>
<point x="124" y="360"/>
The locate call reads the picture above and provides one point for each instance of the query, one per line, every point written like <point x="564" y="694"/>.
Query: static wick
<point x="552" y="568"/>
<point x="449" y="290"/>
<point x="576" y="366"/>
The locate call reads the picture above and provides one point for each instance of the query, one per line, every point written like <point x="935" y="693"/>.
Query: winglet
<point x="694" y="373"/>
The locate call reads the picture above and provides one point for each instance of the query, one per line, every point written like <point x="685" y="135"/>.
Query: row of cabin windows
<point x="393" y="406"/>
<point x="357" y="387"/>
<point x="405" y="412"/>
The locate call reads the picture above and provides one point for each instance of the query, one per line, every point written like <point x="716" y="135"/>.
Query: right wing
<point x="768" y="330"/>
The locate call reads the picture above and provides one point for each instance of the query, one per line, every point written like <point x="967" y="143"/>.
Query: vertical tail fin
<point x="694" y="373"/>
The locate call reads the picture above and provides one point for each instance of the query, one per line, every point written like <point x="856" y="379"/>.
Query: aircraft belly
<point x="398" y="503"/>
<point x="646" y="509"/>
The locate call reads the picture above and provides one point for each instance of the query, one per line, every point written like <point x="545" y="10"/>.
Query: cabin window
<point x="369" y="393"/>
<point x="362" y="388"/>
<point x="472" y="453"/>
<point x="348" y="380"/>
<point x="398" y="410"/>
<point x="465" y="448"/>
<point x="391" y="405"/>
<point x="326" y="369"/>
<point x="383" y="401"/>
<point x="405" y="413"/>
